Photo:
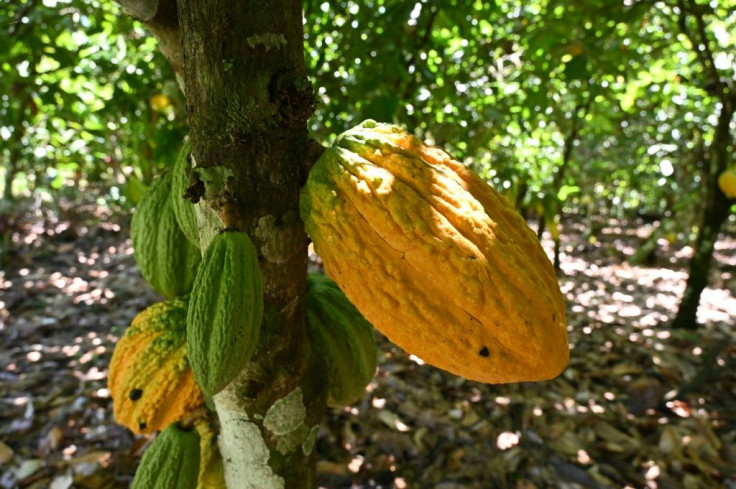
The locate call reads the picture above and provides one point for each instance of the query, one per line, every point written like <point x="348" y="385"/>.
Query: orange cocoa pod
<point x="435" y="258"/>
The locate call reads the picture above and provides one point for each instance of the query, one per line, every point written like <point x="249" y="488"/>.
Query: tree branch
<point x="715" y="84"/>
<point x="425" y="37"/>
<point x="17" y="24"/>
<point x="143" y="10"/>
<point x="161" y="18"/>
<point x="412" y="84"/>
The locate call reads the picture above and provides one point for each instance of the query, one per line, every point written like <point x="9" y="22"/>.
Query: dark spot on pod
<point x="135" y="394"/>
<point x="182" y="427"/>
<point x="142" y="425"/>
<point x="484" y="352"/>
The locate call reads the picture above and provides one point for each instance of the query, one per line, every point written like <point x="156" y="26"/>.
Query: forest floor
<point x="639" y="406"/>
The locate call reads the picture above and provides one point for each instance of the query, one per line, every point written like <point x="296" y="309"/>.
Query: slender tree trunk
<point x="561" y="174"/>
<point x="717" y="209"/>
<point x="16" y="139"/>
<point x="248" y="101"/>
<point x="10" y="173"/>
<point x="541" y="226"/>
<point x="692" y="24"/>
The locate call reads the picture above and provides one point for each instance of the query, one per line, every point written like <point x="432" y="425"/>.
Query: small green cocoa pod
<point x="172" y="462"/>
<point x="342" y="337"/>
<point x="225" y="311"/>
<point x="165" y="257"/>
<point x="184" y="209"/>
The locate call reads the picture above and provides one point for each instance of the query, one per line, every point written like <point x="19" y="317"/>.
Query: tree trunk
<point x="561" y="174"/>
<point x="717" y="209"/>
<point x="692" y="24"/>
<point x="248" y="100"/>
<point x="15" y="142"/>
<point x="10" y="173"/>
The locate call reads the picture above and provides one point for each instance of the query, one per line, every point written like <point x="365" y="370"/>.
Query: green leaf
<point x="577" y="68"/>
<point x="381" y="108"/>
<point x="567" y="190"/>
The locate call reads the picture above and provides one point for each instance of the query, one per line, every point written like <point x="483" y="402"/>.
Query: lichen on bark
<point x="250" y="469"/>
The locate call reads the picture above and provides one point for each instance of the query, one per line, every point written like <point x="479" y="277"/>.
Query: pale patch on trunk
<point x="244" y="451"/>
<point x="278" y="238"/>
<point x="285" y="419"/>
<point x="286" y="414"/>
<point x="208" y="222"/>
<point x="268" y="40"/>
<point x="311" y="441"/>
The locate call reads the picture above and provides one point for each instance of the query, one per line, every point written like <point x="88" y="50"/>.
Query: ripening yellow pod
<point x="159" y="102"/>
<point x="727" y="183"/>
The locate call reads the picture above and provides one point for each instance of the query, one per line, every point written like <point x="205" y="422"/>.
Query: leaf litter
<point x="640" y="405"/>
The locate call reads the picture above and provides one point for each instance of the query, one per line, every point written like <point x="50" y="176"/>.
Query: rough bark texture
<point x="248" y="101"/>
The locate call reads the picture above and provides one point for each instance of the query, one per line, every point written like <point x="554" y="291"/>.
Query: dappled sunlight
<point x="635" y="391"/>
<point x="55" y="353"/>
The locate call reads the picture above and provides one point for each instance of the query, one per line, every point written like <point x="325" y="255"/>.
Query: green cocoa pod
<point x="183" y="208"/>
<point x="344" y="339"/>
<point x="165" y="257"/>
<point x="172" y="462"/>
<point x="225" y="311"/>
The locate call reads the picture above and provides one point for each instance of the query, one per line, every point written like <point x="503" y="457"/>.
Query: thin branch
<point x="143" y="10"/>
<point x="17" y="24"/>
<point x="572" y="136"/>
<point x="411" y="86"/>
<point x="162" y="20"/>
<point x="716" y="86"/>
<point x="424" y="39"/>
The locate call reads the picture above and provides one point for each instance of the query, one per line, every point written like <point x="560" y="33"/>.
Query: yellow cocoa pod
<point x="727" y="183"/>
<point x="434" y="258"/>
<point x="150" y="380"/>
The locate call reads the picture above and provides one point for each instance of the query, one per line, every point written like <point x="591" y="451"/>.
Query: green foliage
<point x="614" y="100"/>
<point x="77" y="80"/>
<point x="509" y="86"/>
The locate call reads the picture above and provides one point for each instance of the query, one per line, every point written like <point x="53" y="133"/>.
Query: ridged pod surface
<point x="150" y="381"/>
<point x="344" y="339"/>
<point x="165" y="257"/>
<point x="225" y="311"/>
<point x="211" y="474"/>
<point x="184" y="211"/>
<point x="727" y="183"/>
<point x="171" y="462"/>
<point x="435" y="258"/>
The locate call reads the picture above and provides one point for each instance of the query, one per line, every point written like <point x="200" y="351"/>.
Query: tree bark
<point x="160" y="16"/>
<point x="248" y="101"/>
